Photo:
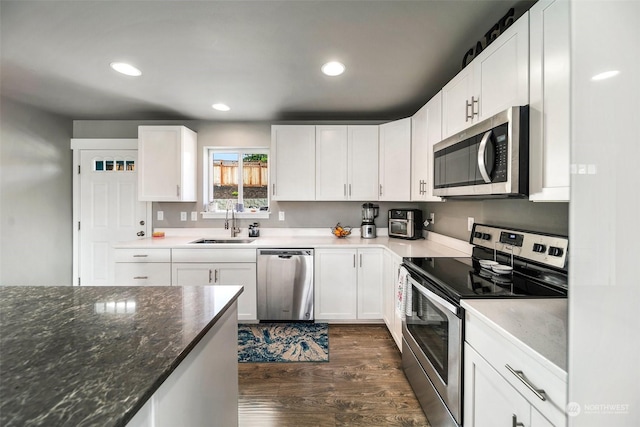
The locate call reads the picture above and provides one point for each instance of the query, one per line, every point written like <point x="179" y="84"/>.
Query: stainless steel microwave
<point x="489" y="159"/>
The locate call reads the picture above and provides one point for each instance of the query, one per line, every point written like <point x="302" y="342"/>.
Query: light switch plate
<point x="280" y="215"/>
<point x="160" y="215"/>
<point x="470" y="222"/>
<point x="183" y="216"/>
<point x="194" y="216"/>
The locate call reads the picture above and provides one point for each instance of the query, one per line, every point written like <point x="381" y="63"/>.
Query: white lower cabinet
<point x="392" y="318"/>
<point x="142" y="267"/>
<point x="348" y="284"/>
<point x="504" y="386"/>
<point x="491" y="401"/>
<point x="189" y="270"/>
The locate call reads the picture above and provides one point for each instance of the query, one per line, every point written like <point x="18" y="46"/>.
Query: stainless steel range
<point x="506" y="263"/>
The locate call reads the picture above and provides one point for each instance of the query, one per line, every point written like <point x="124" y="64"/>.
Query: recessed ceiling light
<point x="333" y="68"/>
<point x="124" y="68"/>
<point x="221" y="107"/>
<point x="605" y="75"/>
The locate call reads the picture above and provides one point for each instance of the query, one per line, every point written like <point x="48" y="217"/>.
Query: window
<point x="238" y="179"/>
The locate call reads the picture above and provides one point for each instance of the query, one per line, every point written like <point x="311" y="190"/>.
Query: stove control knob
<point x="486" y="236"/>
<point x="537" y="247"/>
<point x="477" y="235"/>
<point x="553" y="251"/>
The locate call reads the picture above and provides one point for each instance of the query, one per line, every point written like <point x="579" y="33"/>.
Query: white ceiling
<point x="262" y="58"/>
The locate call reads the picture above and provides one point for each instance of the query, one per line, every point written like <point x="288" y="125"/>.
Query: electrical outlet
<point x="194" y="216"/>
<point x="183" y="216"/>
<point x="432" y="218"/>
<point x="160" y="215"/>
<point x="280" y="215"/>
<point x="470" y="222"/>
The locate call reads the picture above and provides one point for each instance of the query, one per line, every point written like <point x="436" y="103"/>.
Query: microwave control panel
<point x="539" y="247"/>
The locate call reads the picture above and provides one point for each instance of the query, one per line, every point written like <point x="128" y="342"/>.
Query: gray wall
<point x="35" y="197"/>
<point x="451" y="216"/>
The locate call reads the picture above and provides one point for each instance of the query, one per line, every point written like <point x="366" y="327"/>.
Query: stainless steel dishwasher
<point x="285" y="284"/>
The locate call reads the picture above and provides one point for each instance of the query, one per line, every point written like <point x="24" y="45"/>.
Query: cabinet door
<point x="456" y="102"/>
<point x="166" y="164"/>
<point x="294" y="167"/>
<point x="489" y="400"/>
<point x="370" y="283"/>
<point x="192" y="273"/>
<point x="501" y="71"/>
<point x="397" y="322"/>
<point x="388" y="291"/>
<point x="549" y="101"/>
<point x="426" y="130"/>
<point x="335" y="284"/>
<point x="142" y="273"/>
<point x="331" y="163"/>
<point x="395" y="161"/>
<point x="244" y="274"/>
<point x="363" y="163"/>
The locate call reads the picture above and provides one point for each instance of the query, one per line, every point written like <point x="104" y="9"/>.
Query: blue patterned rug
<point x="283" y="342"/>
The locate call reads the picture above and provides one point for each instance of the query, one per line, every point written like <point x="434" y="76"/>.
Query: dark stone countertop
<point x="92" y="356"/>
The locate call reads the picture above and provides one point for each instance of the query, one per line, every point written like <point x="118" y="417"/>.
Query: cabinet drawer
<point x="214" y="255"/>
<point x="500" y="352"/>
<point x="143" y="255"/>
<point x="143" y="274"/>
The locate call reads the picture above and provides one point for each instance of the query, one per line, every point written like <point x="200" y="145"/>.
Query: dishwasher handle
<point x="286" y="253"/>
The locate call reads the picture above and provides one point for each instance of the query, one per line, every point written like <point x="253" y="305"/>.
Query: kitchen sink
<point x="225" y="241"/>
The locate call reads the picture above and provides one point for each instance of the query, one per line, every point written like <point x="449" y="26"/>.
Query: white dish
<point x="487" y="263"/>
<point x="501" y="269"/>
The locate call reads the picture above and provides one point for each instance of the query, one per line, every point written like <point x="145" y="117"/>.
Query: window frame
<point x="207" y="173"/>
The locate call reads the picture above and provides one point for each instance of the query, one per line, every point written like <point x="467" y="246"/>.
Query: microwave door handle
<point x="482" y="151"/>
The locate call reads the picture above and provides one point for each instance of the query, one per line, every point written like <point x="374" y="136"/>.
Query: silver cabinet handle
<point x="273" y="189"/>
<point x="473" y="110"/>
<point x="345" y="190"/>
<point x="514" y="422"/>
<point x="178" y="190"/>
<point x="215" y="280"/>
<point x="380" y="189"/>
<point x="209" y="275"/>
<point x="540" y="394"/>
<point x="140" y="233"/>
<point x="140" y="277"/>
<point x="482" y="150"/>
<point x="354" y="260"/>
<point x="467" y="117"/>
<point x="140" y="256"/>
<point x="360" y="260"/>
<point x="349" y="189"/>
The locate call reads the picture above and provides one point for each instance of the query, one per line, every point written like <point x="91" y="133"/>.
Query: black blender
<point x="368" y="226"/>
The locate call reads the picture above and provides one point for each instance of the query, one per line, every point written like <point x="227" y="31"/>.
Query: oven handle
<point x="432" y="296"/>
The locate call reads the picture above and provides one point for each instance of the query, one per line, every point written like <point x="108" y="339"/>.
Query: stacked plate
<point x="495" y="266"/>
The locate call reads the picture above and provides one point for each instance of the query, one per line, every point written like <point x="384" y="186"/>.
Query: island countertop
<point x="92" y="356"/>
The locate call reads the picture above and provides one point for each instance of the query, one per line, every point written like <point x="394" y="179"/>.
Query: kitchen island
<point x="112" y="356"/>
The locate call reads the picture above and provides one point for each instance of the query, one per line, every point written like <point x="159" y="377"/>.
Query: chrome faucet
<point x="235" y="230"/>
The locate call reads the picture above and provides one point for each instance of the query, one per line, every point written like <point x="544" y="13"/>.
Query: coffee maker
<point x="368" y="226"/>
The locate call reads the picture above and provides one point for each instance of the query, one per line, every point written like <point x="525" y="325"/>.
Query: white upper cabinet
<point x="498" y="78"/>
<point x="346" y="162"/>
<point x="293" y="154"/>
<point x="426" y="130"/>
<point x="395" y="161"/>
<point x="549" y="101"/>
<point x="363" y="162"/>
<point x="166" y="164"/>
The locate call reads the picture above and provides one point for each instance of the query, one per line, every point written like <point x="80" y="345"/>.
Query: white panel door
<point x="456" y="96"/>
<point x="370" y="282"/>
<point x="336" y="284"/>
<point x="293" y="151"/>
<point x="109" y="211"/>
<point x="240" y="273"/>
<point x="331" y="163"/>
<point x="395" y="161"/>
<point x="363" y="162"/>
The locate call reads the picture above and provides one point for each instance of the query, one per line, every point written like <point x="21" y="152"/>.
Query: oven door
<point x="433" y="331"/>
<point x="400" y="228"/>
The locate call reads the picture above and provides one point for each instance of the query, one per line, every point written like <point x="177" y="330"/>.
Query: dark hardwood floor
<point x="361" y="385"/>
